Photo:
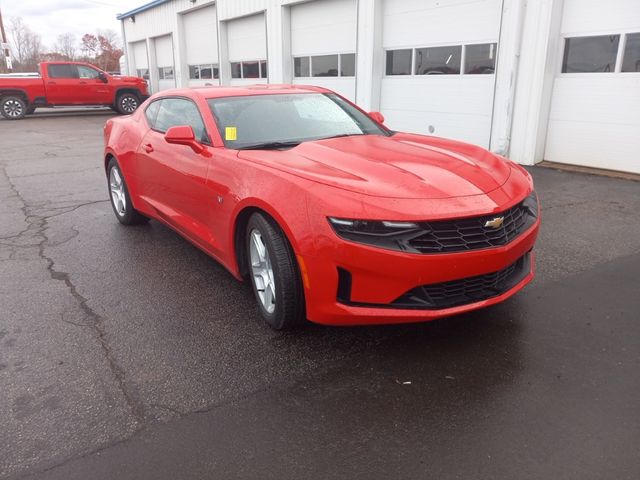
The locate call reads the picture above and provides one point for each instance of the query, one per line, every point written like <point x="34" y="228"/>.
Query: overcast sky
<point x="50" y="18"/>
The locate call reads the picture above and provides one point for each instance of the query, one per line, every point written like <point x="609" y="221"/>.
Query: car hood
<point x="400" y="166"/>
<point x="126" y="79"/>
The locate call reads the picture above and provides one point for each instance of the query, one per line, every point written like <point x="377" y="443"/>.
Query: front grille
<point x="471" y="233"/>
<point x="446" y="294"/>
<point x="465" y="290"/>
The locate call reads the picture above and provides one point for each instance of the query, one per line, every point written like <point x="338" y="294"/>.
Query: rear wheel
<point x="120" y="199"/>
<point x="274" y="273"/>
<point x="127" y="103"/>
<point x="13" y="108"/>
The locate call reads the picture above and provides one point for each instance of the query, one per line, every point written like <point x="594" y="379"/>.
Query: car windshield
<point x="286" y="120"/>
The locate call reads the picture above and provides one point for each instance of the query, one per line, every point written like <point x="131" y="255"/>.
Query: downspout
<point x="505" y="141"/>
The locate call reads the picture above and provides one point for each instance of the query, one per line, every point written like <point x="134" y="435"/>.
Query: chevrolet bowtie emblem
<point x="494" y="223"/>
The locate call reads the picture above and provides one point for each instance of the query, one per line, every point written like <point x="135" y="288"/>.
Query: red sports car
<point x="331" y="215"/>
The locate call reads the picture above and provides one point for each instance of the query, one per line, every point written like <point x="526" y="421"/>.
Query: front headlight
<point x="378" y="233"/>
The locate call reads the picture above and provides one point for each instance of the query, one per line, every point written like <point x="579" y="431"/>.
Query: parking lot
<point x="128" y="353"/>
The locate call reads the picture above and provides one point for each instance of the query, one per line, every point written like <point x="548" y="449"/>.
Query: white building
<point x="555" y="80"/>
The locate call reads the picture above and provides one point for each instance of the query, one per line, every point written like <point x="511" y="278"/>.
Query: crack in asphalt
<point x="39" y="225"/>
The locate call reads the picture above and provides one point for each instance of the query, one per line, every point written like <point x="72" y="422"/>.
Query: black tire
<point x="127" y="103"/>
<point x="127" y="215"/>
<point x="13" y="108"/>
<point x="289" y="310"/>
<point x="30" y="109"/>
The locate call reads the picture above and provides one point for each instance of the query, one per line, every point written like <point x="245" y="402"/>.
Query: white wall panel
<point x="164" y="51"/>
<point x="598" y="16"/>
<point x="247" y="38"/>
<point x="433" y="22"/>
<point x="201" y="36"/>
<point x="323" y="26"/>
<point x="594" y="119"/>
<point x="454" y="106"/>
<point x="140" y="58"/>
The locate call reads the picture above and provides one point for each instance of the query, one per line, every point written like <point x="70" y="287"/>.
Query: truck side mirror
<point x="103" y="77"/>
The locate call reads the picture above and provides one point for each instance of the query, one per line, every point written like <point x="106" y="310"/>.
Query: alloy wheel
<point x="129" y="104"/>
<point x="13" y="108"/>
<point x="262" y="271"/>
<point x="116" y="185"/>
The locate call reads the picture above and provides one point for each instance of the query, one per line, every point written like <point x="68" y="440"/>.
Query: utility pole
<point x="5" y="51"/>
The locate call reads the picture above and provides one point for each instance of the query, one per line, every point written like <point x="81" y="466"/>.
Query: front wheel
<point x="275" y="277"/>
<point x="13" y="108"/>
<point x="127" y="103"/>
<point x="120" y="199"/>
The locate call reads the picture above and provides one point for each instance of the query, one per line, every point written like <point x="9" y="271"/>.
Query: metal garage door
<point x="140" y="59"/>
<point x="201" y="46"/>
<point x="164" y="62"/>
<point x="247" y="50"/>
<point x="594" y="119"/>
<point x="440" y="57"/>
<point x="323" y="44"/>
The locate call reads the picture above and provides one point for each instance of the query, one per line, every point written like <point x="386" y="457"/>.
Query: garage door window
<point x="165" y="73"/>
<point x="203" y="72"/>
<point x="337" y="65"/>
<point x="438" y="60"/>
<point x="590" y="54"/>
<point x="631" y="59"/>
<point x="399" y="62"/>
<point x="324" y="66"/>
<point x="249" y="69"/>
<point x="480" y="59"/>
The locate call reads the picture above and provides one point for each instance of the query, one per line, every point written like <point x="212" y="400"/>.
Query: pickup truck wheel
<point x="127" y="103"/>
<point x="13" y="108"/>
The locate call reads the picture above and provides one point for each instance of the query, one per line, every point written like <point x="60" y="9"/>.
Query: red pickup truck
<point x="69" y="83"/>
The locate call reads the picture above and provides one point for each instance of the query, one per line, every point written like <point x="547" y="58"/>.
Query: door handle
<point x="148" y="148"/>
<point x="52" y="83"/>
<point x="83" y="83"/>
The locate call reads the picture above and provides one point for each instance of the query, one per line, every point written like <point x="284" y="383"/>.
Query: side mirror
<point x="103" y="77"/>
<point x="377" y="117"/>
<point x="183" y="135"/>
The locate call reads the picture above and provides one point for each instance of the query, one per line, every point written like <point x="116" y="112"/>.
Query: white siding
<point x="140" y="58"/>
<point x="164" y="51"/>
<point x="247" y="38"/>
<point x="594" y="118"/>
<point x="201" y="36"/>
<point x="453" y="106"/>
<point x="444" y="22"/>
<point x="323" y="26"/>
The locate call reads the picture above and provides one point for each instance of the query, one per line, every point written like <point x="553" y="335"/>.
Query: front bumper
<point x="378" y="278"/>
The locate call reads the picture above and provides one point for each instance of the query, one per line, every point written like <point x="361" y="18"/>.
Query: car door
<point x="174" y="176"/>
<point x="62" y="83"/>
<point x="92" y="89"/>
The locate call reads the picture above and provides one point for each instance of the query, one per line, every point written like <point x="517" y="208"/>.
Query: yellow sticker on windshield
<point x="230" y="133"/>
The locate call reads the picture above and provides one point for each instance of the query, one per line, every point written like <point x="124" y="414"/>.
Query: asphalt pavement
<point x="126" y="353"/>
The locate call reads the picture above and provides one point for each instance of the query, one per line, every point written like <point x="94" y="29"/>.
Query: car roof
<point x="216" y="91"/>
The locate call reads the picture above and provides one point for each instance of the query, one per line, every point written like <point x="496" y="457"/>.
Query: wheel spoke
<point x="263" y="278"/>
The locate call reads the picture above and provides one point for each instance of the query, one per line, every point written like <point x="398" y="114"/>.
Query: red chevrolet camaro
<point x="331" y="215"/>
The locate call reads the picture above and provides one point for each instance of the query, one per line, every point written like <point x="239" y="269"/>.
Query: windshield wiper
<point x="341" y="135"/>
<point x="270" y="145"/>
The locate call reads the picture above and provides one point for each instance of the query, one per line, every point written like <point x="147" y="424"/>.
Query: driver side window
<point x="180" y="111"/>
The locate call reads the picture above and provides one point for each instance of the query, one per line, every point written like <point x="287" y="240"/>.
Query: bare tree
<point x="66" y="46"/>
<point x="26" y="46"/>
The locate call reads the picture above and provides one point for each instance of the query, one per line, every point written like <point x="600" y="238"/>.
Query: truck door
<point x="62" y="84"/>
<point x="92" y="89"/>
